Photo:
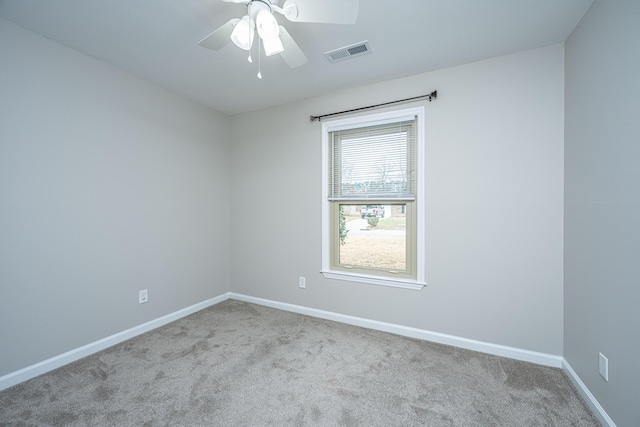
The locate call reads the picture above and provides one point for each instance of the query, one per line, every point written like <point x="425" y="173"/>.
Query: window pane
<point x="373" y="162"/>
<point x="373" y="236"/>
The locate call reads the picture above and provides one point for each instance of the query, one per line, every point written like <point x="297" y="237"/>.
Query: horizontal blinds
<point x="373" y="162"/>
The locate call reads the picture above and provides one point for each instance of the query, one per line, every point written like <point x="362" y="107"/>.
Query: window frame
<point x="329" y="269"/>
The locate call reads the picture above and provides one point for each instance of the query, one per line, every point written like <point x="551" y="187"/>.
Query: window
<point x="373" y="207"/>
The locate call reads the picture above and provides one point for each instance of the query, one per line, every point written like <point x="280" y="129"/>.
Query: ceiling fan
<point x="274" y="37"/>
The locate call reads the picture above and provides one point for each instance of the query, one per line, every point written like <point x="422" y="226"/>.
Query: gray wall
<point x="602" y="204"/>
<point x="108" y="185"/>
<point x="494" y="171"/>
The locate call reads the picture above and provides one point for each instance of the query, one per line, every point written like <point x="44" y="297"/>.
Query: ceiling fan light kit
<point x="269" y="32"/>
<point x="275" y="38"/>
<point x="243" y="33"/>
<point x="267" y="25"/>
<point x="272" y="45"/>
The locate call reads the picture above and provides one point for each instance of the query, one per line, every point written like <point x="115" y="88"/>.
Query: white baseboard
<point x="484" y="347"/>
<point x="588" y="397"/>
<point x="55" y="362"/>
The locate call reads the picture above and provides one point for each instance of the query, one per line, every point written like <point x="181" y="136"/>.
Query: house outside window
<point x="373" y="202"/>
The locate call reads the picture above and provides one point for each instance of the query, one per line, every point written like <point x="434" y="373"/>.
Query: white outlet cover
<point x="143" y="296"/>
<point x="603" y="366"/>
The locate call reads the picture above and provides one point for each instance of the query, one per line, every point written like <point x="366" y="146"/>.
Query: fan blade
<point x="292" y="54"/>
<point x="322" y="11"/>
<point x="220" y="37"/>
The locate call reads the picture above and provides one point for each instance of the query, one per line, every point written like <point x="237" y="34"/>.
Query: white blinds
<point x="373" y="162"/>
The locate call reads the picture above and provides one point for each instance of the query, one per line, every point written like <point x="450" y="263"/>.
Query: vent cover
<point x="347" y="52"/>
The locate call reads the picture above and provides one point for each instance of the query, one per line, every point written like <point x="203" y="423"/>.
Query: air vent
<point x="347" y="52"/>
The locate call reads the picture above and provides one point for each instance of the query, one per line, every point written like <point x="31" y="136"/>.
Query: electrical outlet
<point x="604" y="367"/>
<point x="302" y="282"/>
<point x="143" y="296"/>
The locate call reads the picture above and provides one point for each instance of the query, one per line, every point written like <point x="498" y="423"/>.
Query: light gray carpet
<point x="239" y="364"/>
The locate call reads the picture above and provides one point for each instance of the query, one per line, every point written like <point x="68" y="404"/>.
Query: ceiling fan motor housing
<point x="255" y="6"/>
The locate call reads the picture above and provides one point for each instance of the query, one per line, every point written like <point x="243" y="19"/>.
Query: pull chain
<point x="259" y="58"/>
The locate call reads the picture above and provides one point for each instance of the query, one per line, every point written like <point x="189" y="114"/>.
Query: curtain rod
<point x="431" y="95"/>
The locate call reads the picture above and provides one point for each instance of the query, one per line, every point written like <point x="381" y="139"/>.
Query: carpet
<point x="240" y="364"/>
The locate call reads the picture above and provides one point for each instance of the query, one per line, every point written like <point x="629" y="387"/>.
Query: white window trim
<point x="331" y="125"/>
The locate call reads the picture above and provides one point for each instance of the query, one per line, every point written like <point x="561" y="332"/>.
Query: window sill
<point x="374" y="280"/>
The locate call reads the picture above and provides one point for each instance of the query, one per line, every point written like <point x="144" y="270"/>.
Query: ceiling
<point x="157" y="40"/>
